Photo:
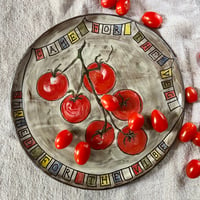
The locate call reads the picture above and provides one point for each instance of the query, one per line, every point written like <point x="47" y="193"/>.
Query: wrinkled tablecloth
<point x="21" y="23"/>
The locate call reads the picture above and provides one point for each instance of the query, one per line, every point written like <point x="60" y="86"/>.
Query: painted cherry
<point x="103" y="78"/>
<point x="97" y="137"/>
<point x="75" y="108"/>
<point x="132" y="142"/>
<point x="52" y="86"/>
<point x="129" y="101"/>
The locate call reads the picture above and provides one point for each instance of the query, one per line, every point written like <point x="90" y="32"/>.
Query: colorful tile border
<point x="78" y="178"/>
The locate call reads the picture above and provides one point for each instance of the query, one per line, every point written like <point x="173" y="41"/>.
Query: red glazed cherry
<point x="135" y="121"/>
<point x="196" y="139"/>
<point x="152" y="19"/>
<point x="159" y="121"/>
<point x="122" y="7"/>
<point x="193" y="168"/>
<point x="108" y="3"/>
<point x="191" y="95"/>
<point x="63" y="139"/>
<point x="103" y="78"/>
<point x="109" y="102"/>
<point x="187" y="132"/>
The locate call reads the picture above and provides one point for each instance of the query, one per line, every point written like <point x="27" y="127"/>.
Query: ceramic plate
<point x="89" y="56"/>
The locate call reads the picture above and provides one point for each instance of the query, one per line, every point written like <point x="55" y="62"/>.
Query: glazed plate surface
<point x="136" y="61"/>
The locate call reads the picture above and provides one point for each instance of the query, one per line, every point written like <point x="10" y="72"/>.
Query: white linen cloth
<point x="21" y="23"/>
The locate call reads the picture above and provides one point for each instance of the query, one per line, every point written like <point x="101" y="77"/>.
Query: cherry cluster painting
<point x="99" y="79"/>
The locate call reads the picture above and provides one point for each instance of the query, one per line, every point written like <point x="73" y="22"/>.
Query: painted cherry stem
<point x="76" y="96"/>
<point x="85" y="72"/>
<point x="130" y="135"/>
<point x="124" y="101"/>
<point x="54" y="72"/>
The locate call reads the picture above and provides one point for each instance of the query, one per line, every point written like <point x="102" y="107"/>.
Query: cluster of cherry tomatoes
<point x="100" y="142"/>
<point x="121" y="6"/>
<point x="112" y="103"/>
<point x="82" y="149"/>
<point x="125" y="105"/>
<point x="150" y="18"/>
<point x="76" y="107"/>
<point x="134" y="132"/>
<point x="135" y="119"/>
<point x="189" y="132"/>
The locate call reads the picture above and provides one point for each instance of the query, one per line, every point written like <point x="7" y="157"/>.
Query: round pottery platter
<point x="90" y="56"/>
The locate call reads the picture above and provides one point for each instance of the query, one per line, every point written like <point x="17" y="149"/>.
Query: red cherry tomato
<point x="82" y="153"/>
<point x="191" y="95"/>
<point x="75" y="108"/>
<point x="63" y="139"/>
<point x="52" y="87"/>
<point x="132" y="142"/>
<point x="159" y="121"/>
<point x="103" y="79"/>
<point x="196" y="139"/>
<point x="193" y="168"/>
<point x="129" y="101"/>
<point x="152" y="19"/>
<point x="100" y="140"/>
<point x="135" y="121"/>
<point x="108" y="3"/>
<point x="122" y="7"/>
<point x="109" y="102"/>
<point x="187" y="132"/>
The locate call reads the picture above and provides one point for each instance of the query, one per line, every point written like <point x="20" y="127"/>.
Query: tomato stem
<point x="76" y="96"/>
<point x="54" y="72"/>
<point x="98" y="62"/>
<point x="101" y="132"/>
<point x="85" y="72"/>
<point x="130" y="135"/>
<point x="78" y="57"/>
<point x="124" y="101"/>
<point x="109" y="54"/>
<point x="113" y="121"/>
<point x="71" y="91"/>
<point x="88" y="70"/>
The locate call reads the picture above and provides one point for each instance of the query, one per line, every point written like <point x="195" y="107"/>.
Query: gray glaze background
<point x="22" y="22"/>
